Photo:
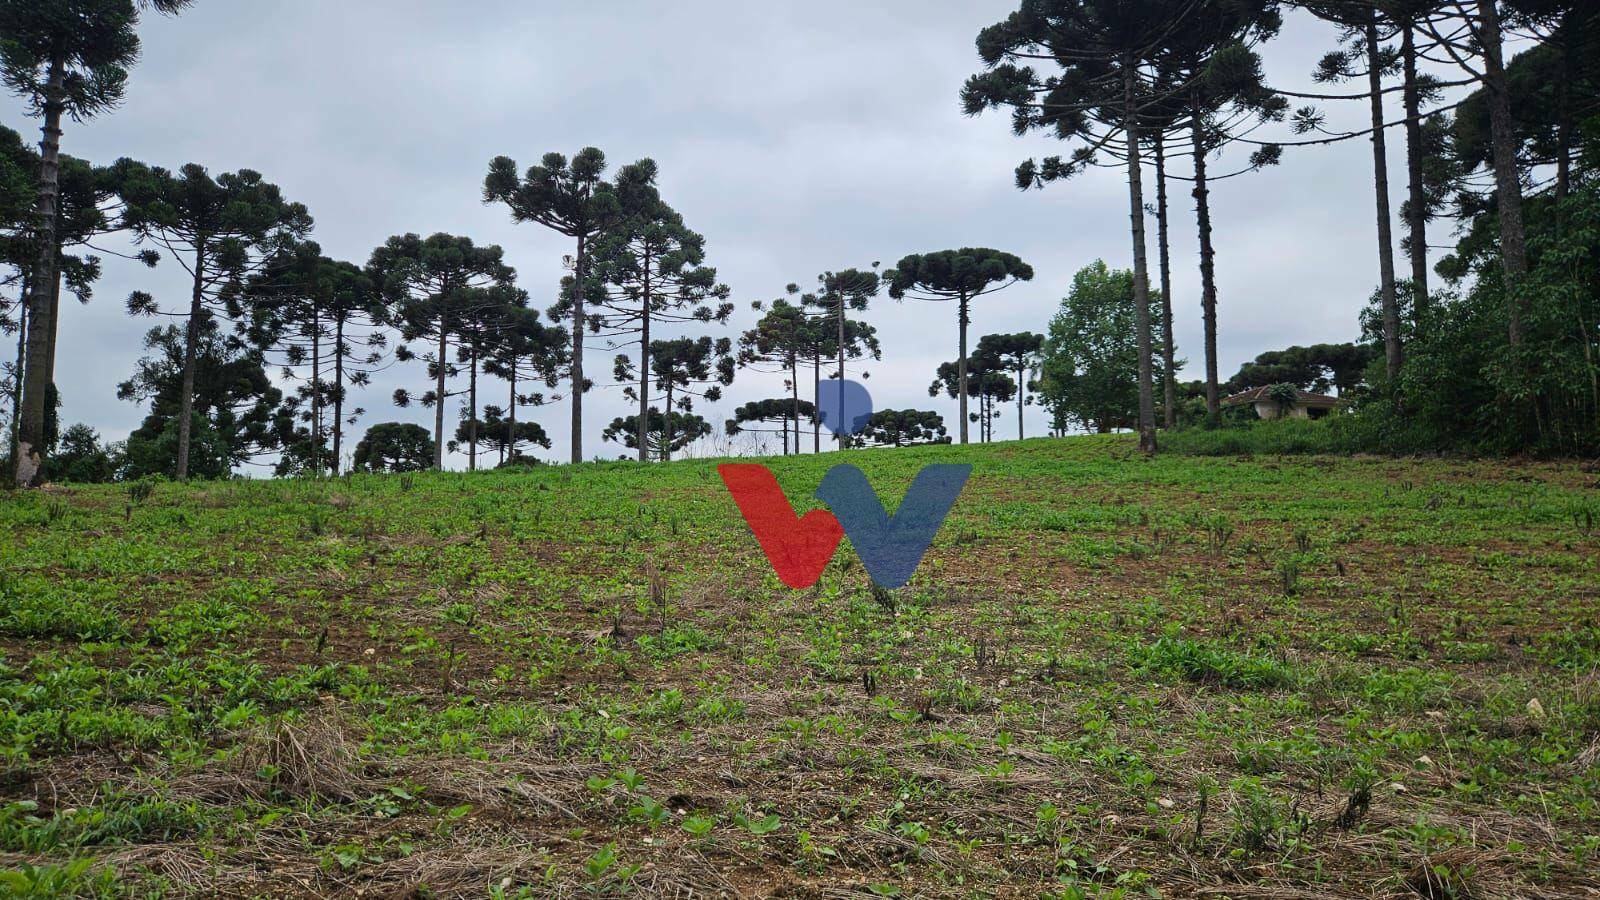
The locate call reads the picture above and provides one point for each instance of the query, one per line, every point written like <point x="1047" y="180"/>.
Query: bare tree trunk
<point x="1022" y="396"/>
<point x="840" y="436"/>
<point x="472" y="408"/>
<point x="794" y="390"/>
<point x="1508" y="188"/>
<point x="1141" y="265"/>
<point x="438" y="399"/>
<point x="816" y="419"/>
<point x="579" y="265"/>
<point x="22" y="362"/>
<point x="1168" y="348"/>
<point x="511" y="414"/>
<point x="962" y="318"/>
<point x="316" y="390"/>
<point x="55" y="317"/>
<point x="29" y="458"/>
<point x="1208" y="270"/>
<point x="338" y="393"/>
<point x="1380" y="180"/>
<point x="1416" y="202"/>
<point x="191" y="345"/>
<point x="666" y="426"/>
<point x="644" y="362"/>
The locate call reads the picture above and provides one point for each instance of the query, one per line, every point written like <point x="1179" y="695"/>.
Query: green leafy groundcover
<point x="1113" y="676"/>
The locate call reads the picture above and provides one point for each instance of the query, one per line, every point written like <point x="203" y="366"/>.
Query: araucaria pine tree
<point x="685" y="369"/>
<point x="317" y="317"/>
<point x="963" y="276"/>
<point x="837" y="293"/>
<point x="1106" y="53"/>
<point x="222" y="231"/>
<point x="435" y="288"/>
<point x="574" y="200"/>
<point x="526" y="351"/>
<point x="63" y="57"/>
<point x="652" y="269"/>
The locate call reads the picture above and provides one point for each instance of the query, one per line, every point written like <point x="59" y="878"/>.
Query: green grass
<point x="1112" y="676"/>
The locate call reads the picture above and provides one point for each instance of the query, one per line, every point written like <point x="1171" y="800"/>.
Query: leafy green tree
<point x="437" y="290"/>
<point x="221" y="231"/>
<point x="63" y="57"/>
<point x="81" y="458"/>
<point x="781" y="410"/>
<point x="574" y="200"/>
<point x="653" y="270"/>
<point x="903" y="428"/>
<point x="665" y="434"/>
<point x="960" y="275"/>
<point x="395" y="447"/>
<point x="1017" y="354"/>
<point x="1090" y="370"/>
<point x="236" y="413"/>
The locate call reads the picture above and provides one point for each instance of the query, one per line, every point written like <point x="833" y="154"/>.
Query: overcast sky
<point x="797" y="137"/>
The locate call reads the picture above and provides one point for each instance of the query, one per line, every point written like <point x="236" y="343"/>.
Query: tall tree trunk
<point x="1380" y="180"/>
<point x="1508" y="188"/>
<point x="29" y="458"/>
<point x="794" y="390"/>
<point x="1208" y="268"/>
<point x="438" y="399"/>
<point x="338" y="393"/>
<point x="644" y="361"/>
<point x="1022" y="396"/>
<point x="22" y="362"/>
<point x="840" y="436"/>
<point x="579" y="264"/>
<point x="1169" y="396"/>
<point x="511" y="413"/>
<point x="1416" y="201"/>
<point x="191" y="345"/>
<point x="816" y="419"/>
<point x="666" y="426"/>
<point x="316" y="389"/>
<point x="1141" y="265"/>
<point x="962" y="318"/>
<point x="472" y="408"/>
<point x="55" y="318"/>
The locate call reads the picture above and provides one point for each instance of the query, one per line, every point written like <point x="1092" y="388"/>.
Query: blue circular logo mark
<point x="844" y="406"/>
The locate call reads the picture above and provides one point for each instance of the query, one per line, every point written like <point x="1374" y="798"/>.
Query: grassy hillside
<point x="1305" y="677"/>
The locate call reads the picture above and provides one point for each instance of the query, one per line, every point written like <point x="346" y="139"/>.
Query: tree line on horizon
<point x="1505" y="355"/>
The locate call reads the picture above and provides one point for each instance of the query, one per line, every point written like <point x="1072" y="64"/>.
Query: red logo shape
<point x="798" y="547"/>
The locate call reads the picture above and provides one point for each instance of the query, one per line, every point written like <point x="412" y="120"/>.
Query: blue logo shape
<point x="844" y="406"/>
<point x="891" y="547"/>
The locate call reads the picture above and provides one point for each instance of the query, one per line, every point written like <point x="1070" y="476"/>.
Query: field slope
<point x="1295" y="677"/>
